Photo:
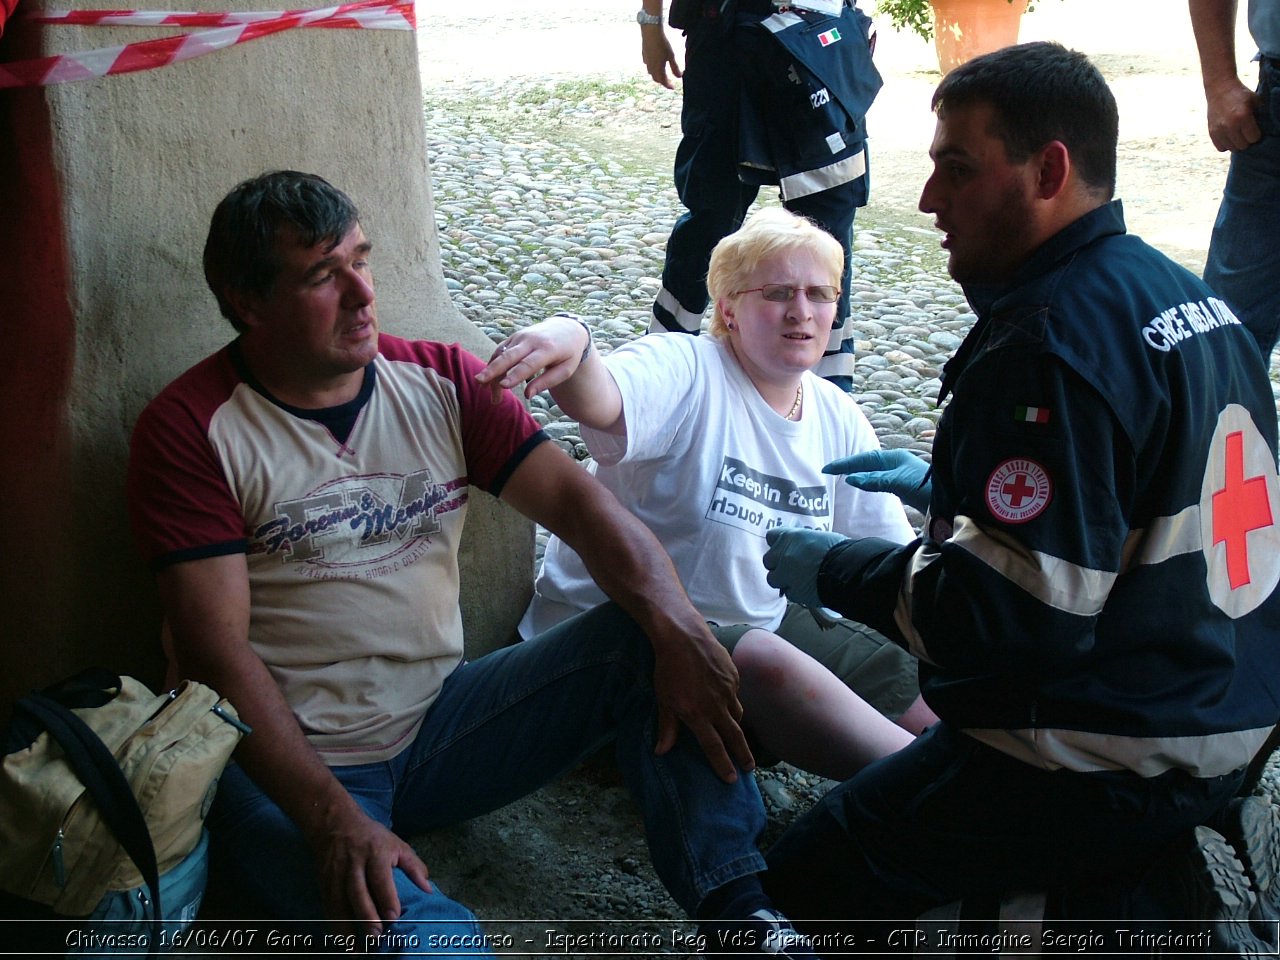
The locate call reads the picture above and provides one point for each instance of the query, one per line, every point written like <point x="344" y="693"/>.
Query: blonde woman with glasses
<point x="713" y="440"/>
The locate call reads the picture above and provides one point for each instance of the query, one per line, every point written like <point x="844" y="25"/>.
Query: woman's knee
<point x="764" y="659"/>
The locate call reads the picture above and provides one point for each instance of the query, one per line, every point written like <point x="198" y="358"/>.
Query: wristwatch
<point x="649" y="19"/>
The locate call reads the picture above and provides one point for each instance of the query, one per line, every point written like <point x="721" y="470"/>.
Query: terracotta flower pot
<point x="964" y="29"/>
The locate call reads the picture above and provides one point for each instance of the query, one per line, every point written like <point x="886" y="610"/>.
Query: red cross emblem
<point x="1238" y="508"/>
<point x="1018" y="490"/>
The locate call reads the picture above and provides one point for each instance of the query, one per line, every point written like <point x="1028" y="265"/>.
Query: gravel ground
<point x="552" y="190"/>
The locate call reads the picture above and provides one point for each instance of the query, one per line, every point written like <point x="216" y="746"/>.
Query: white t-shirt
<point x="709" y="467"/>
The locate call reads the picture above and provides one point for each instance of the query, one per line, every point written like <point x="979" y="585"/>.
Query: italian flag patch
<point x="1031" y="414"/>
<point x="830" y="37"/>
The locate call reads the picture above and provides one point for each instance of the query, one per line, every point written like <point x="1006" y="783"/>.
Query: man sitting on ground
<point x="300" y="494"/>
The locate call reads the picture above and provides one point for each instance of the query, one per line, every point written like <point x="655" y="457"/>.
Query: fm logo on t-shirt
<point x="358" y="520"/>
<point x="754" y="501"/>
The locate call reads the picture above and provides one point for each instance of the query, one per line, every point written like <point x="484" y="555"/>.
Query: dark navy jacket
<point x="1096" y="589"/>
<point x="808" y="81"/>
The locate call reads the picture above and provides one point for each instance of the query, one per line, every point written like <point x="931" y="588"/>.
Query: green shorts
<point x="869" y="663"/>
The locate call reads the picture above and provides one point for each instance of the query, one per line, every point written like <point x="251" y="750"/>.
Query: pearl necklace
<point x="795" y="407"/>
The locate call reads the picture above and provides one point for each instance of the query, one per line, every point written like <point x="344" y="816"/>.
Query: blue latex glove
<point x="793" y="559"/>
<point x="899" y="472"/>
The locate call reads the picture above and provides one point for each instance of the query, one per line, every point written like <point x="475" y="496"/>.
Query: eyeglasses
<point x="782" y="293"/>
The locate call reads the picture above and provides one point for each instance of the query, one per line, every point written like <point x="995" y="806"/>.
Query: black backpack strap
<point x="91" y="687"/>
<point x="106" y="783"/>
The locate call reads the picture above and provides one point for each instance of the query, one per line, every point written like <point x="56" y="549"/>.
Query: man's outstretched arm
<point x="695" y="679"/>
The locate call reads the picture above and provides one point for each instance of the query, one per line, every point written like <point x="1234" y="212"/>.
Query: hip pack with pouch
<point x="103" y="793"/>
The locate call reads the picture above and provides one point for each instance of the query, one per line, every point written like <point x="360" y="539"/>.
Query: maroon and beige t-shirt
<point x="351" y="545"/>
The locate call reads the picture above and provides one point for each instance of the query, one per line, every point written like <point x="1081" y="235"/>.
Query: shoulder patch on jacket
<point x="1018" y="490"/>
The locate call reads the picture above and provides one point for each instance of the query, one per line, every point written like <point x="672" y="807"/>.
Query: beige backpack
<point x="105" y="786"/>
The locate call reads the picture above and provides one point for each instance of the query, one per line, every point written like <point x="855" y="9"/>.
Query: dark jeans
<point x="948" y="818"/>
<point x="1244" y="261"/>
<point x="501" y="727"/>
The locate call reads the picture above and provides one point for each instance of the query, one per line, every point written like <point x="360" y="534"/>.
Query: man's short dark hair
<point x="240" y="252"/>
<point x="1042" y="92"/>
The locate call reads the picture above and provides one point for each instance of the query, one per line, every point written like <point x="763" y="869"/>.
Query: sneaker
<point x="1252" y="825"/>
<point x="765" y="933"/>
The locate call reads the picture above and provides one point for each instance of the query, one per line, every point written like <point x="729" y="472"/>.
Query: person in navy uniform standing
<point x="771" y="96"/>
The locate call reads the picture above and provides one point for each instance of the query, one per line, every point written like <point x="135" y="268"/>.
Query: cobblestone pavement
<point x="538" y="211"/>
<point x="531" y="223"/>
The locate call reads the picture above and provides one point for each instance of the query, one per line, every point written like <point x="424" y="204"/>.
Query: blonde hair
<point x="769" y="232"/>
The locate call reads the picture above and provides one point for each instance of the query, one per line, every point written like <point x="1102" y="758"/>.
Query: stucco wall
<point x="106" y="192"/>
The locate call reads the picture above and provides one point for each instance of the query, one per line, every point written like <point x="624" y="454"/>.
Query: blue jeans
<point x="502" y="727"/>
<point x="1244" y="261"/>
<point x="947" y="818"/>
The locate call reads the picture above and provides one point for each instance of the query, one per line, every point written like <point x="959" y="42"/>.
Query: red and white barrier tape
<point x="228" y="30"/>
<point x="177" y="18"/>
